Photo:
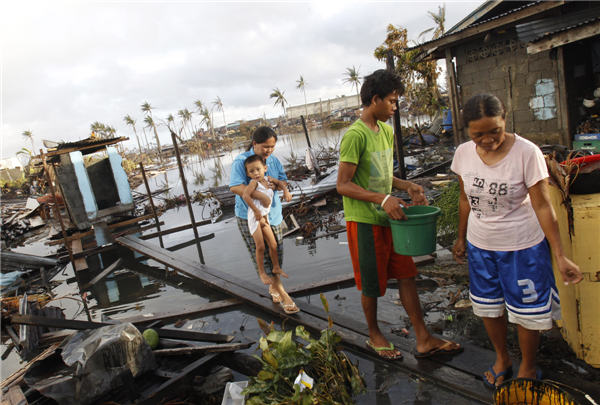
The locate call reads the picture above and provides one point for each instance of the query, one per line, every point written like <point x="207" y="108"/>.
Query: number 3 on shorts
<point x="529" y="294"/>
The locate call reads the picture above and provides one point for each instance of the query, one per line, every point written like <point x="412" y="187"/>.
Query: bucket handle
<point x="587" y="396"/>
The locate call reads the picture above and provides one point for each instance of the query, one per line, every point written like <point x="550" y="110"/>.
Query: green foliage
<point x="336" y="379"/>
<point x="418" y="75"/>
<point x="448" y="220"/>
<point x="129" y="166"/>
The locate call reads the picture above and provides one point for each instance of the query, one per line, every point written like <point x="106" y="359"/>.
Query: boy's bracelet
<point x="384" y="200"/>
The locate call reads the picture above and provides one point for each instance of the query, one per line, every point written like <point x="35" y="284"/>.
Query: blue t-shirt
<point x="238" y="176"/>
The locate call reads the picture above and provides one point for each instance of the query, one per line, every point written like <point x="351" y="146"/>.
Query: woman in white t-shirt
<point x="505" y="225"/>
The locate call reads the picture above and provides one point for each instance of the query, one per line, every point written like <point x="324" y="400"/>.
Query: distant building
<point x="541" y="58"/>
<point x="10" y="169"/>
<point x="323" y="107"/>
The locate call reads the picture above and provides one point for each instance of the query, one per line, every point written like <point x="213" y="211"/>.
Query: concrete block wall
<point x="527" y="84"/>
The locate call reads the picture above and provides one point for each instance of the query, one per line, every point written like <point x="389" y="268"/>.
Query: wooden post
<point x="305" y="131"/>
<point x="152" y="204"/>
<point x="453" y="90"/>
<point x="187" y="196"/>
<point x="55" y="207"/>
<point x="563" y="100"/>
<point x="398" y="142"/>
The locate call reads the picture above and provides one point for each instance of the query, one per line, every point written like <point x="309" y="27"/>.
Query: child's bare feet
<point x="265" y="279"/>
<point x="279" y="270"/>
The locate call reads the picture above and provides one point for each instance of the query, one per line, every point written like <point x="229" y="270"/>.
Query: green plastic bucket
<point x="416" y="236"/>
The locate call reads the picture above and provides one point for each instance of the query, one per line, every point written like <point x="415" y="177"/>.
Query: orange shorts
<point x="373" y="258"/>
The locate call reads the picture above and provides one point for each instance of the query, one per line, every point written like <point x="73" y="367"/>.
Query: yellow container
<point x="580" y="303"/>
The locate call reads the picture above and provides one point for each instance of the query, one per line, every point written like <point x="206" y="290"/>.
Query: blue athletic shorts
<point x="521" y="280"/>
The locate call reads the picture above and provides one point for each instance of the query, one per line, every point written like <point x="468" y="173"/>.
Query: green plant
<point x="448" y="219"/>
<point x="336" y="379"/>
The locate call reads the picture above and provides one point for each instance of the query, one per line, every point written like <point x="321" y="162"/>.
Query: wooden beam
<point x="17" y="376"/>
<point x="200" y="310"/>
<point x="81" y="325"/>
<point x="493" y="24"/>
<point x="195" y="350"/>
<point x="191" y="242"/>
<point x="459" y="381"/>
<point x="103" y="274"/>
<point x="454" y="100"/>
<point x="337" y="282"/>
<point x="173" y="230"/>
<point x="80" y="263"/>
<point x="564" y="122"/>
<point x="154" y="395"/>
<point x="564" y="37"/>
<point x="80" y="235"/>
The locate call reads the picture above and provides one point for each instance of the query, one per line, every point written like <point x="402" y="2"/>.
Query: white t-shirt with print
<point x="501" y="216"/>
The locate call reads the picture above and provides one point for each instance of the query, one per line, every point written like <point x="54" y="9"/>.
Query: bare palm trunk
<point x="137" y="138"/>
<point x="305" y="107"/>
<point x="146" y="138"/>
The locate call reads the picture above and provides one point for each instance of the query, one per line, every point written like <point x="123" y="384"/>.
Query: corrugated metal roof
<point x="539" y="29"/>
<point x="509" y="12"/>
<point x="87" y="142"/>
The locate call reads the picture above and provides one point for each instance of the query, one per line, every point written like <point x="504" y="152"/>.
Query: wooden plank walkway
<point x="453" y="378"/>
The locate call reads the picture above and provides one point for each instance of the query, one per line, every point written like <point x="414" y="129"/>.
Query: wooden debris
<point x="194" y="350"/>
<point x="104" y="273"/>
<point x="14" y="396"/>
<point x="80" y="325"/>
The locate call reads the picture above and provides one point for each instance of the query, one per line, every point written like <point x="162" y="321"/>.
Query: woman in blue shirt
<point x="263" y="144"/>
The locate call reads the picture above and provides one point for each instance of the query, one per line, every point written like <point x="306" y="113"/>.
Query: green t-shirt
<point x="372" y="153"/>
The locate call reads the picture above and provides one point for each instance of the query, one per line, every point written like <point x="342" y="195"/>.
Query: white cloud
<point x="67" y="64"/>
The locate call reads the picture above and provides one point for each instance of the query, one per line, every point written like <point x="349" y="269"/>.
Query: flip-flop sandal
<point x="290" y="308"/>
<point x="276" y="297"/>
<point x="448" y="348"/>
<point x="507" y="374"/>
<point x="379" y="349"/>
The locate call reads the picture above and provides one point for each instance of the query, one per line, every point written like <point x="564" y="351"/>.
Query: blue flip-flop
<point x="507" y="374"/>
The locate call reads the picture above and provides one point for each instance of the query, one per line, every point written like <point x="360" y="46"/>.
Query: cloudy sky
<point x="65" y="64"/>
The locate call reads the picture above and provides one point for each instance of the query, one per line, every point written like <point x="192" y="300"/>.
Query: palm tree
<point x="439" y="19"/>
<point x="147" y="109"/>
<point x="206" y="119"/>
<point x="278" y="95"/>
<point x="199" y="107"/>
<point x="130" y="121"/>
<point x="25" y="152"/>
<point x="353" y="77"/>
<point x="186" y="118"/>
<point x="300" y="86"/>
<point x="98" y="130"/>
<point x="29" y="135"/>
<point x="218" y="104"/>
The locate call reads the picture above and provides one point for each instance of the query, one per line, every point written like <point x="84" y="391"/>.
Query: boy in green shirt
<point x="365" y="180"/>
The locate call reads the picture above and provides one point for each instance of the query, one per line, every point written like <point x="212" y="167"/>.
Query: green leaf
<point x="263" y="344"/>
<point x="257" y="387"/>
<point x="293" y="361"/>
<point x="286" y="344"/>
<point x="302" y="333"/>
<point x="325" y="303"/>
<point x="275" y="336"/>
<point x="308" y="397"/>
<point x="264" y="375"/>
<point x="269" y="358"/>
